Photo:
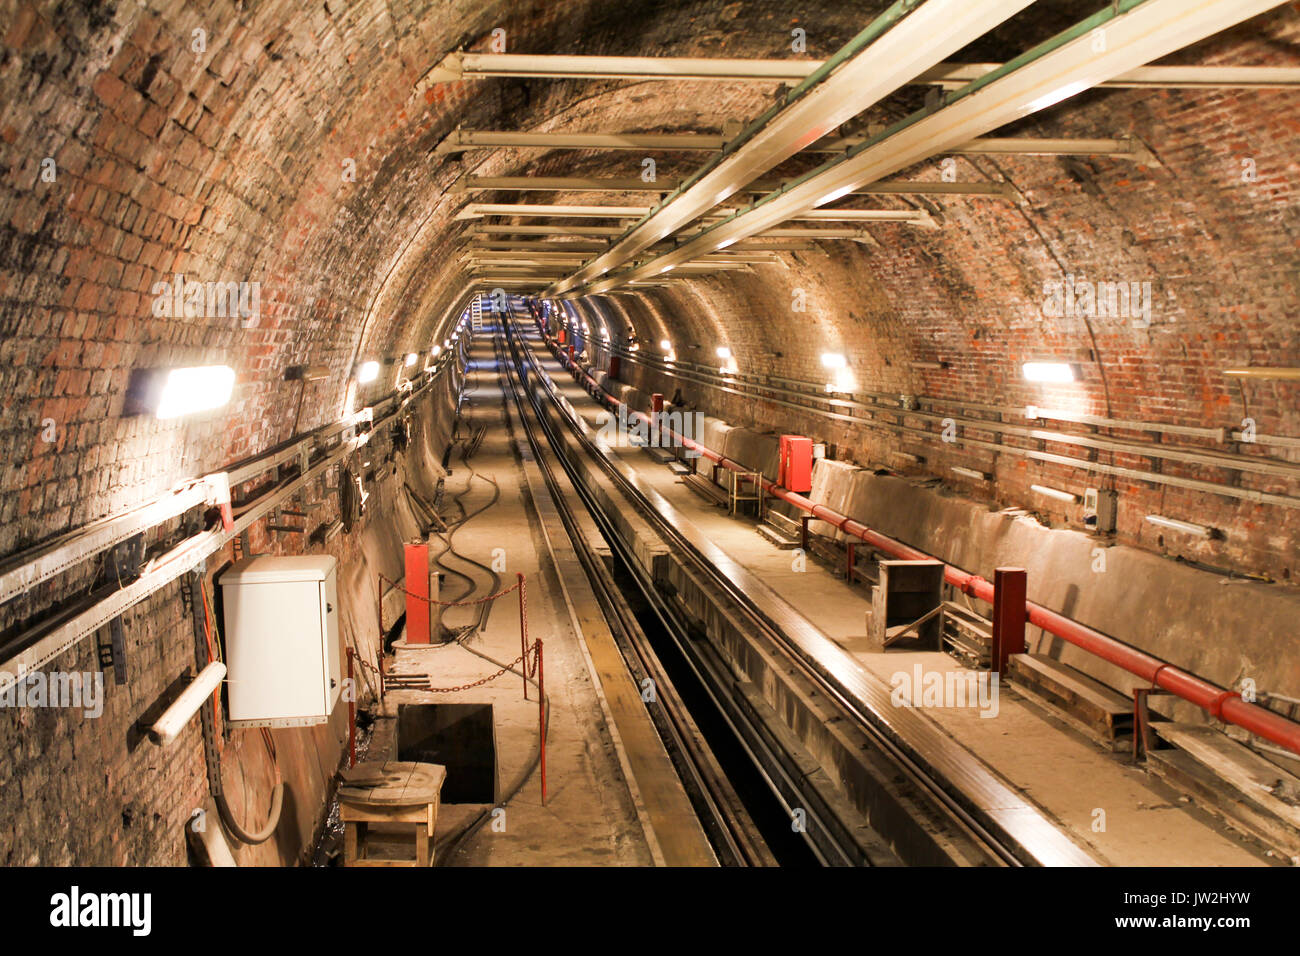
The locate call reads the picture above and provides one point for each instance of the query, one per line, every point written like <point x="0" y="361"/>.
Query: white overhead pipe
<point x="167" y="727"/>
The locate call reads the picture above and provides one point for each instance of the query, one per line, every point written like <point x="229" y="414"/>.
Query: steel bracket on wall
<point x="122" y="564"/>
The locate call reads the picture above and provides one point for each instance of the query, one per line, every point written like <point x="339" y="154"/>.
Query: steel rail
<point x="768" y="762"/>
<point x="735" y="837"/>
<point x="460" y="66"/>
<point x="822" y="674"/>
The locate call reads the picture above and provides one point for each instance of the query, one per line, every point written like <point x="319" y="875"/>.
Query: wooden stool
<point x="389" y="792"/>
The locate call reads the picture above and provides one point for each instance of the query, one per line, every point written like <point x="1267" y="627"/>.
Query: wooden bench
<point x="399" y="796"/>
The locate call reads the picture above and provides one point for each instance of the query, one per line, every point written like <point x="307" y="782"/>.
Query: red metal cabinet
<point x="796" y="463"/>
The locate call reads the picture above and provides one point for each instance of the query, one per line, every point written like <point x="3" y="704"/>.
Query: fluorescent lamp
<point x="368" y="372"/>
<point x="1187" y="527"/>
<point x="834" y="195"/>
<point x="1048" y="372"/>
<point x="834" y="360"/>
<point x="190" y="390"/>
<point x="1261" y="372"/>
<point x="970" y="473"/>
<point x="1056" y="493"/>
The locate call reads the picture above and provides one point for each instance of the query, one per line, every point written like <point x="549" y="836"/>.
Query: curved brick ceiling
<point x="228" y="165"/>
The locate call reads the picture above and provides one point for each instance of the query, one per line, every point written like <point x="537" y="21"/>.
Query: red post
<point x="417" y="593"/>
<point x="541" y="715"/>
<point x="523" y="632"/>
<point x="352" y="713"/>
<point x="1009" y="613"/>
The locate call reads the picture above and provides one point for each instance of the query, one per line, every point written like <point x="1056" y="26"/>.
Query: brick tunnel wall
<point x="291" y="146"/>
<point x="88" y="788"/>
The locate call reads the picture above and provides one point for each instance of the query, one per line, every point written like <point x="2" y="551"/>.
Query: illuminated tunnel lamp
<point x="190" y="390"/>
<point x="724" y="352"/>
<point x="368" y="372"/>
<point x="970" y="473"/>
<point x="1186" y="527"/>
<point x="1056" y="493"/>
<point x="834" y="360"/>
<point x="1051" y="372"/>
<point x="437" y="350"/>
<point x="666" y="345"/>
<point x="410" y="359"/>
<point x="176" y="392"/>
<point x="1261" y="372"/>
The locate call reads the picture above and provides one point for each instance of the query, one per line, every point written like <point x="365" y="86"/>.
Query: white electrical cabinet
<point x="283" y="654"/>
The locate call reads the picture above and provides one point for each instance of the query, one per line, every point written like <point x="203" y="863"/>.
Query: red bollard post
<point x="541" y="715"/>
<point x="523" y="633"/>
<point x="1009" y="614"/>
<point x="352" y="713"/>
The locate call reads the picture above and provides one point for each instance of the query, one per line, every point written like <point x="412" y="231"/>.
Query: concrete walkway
<point x="589" y="818"/>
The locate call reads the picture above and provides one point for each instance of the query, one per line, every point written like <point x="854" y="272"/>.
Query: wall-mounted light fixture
<point x="1056" y="493"/>
<point x="665" y="345"/>
<point x="368" y="372"/>
<point x="834" y="360"/>
<point x="724" y="352"/>
<point x="410" y="359"/>
<point x="970" y="473"/>
<point x="173" y="393"/>
<point x="1052" y="372"/>
<point x="1186" y="527"/>
<point x="1261" y="372"/>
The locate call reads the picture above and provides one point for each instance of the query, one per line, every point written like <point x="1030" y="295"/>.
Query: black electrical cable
<point x="445" y="851"/>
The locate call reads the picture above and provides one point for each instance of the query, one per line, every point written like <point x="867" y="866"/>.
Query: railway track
<point x="858" y="781"/>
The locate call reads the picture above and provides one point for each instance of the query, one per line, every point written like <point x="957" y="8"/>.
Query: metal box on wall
<point x="283" y="654"/>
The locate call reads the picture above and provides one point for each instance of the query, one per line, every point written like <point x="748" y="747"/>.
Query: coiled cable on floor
<point x="446" y="850"/>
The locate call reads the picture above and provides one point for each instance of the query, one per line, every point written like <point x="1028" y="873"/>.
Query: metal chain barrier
<point x="478" y="683"/>
<point x="394" y="586"/>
